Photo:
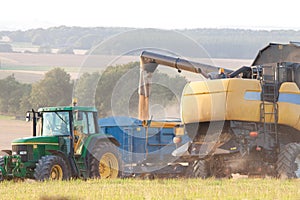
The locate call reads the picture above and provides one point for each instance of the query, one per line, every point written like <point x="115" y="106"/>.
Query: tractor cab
<point x="68" y="124"/>
<point x="66" y="143"/>
<point x="59" y="131"/>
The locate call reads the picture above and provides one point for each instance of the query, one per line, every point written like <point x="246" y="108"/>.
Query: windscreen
<point x="56" y="123"/>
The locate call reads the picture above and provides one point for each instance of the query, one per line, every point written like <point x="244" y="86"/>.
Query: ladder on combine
<point x="269" y="106"/>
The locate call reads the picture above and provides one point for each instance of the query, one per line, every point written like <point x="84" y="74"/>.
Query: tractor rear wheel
<point x="288" y="164"/>
<point x="51" y="168"/>
<point x="198" y="169"/>
<point x="2" y="166"/>
<point x="105" y="161"/>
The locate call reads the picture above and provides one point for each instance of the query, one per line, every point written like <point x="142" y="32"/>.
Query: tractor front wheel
<point x="51" y="168"/>
<point x="105" y="161"/>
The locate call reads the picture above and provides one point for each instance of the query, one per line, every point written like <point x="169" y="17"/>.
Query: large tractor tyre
<point x="2" y="166"/>
<point x="198" y="169"/>
<point x="288" y="164"/>
<point x="105" y="161"/>
<point x="51" y="168"/>
<point x="1" y="162"/>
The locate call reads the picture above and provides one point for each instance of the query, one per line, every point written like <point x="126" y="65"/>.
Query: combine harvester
<point x="246" y="121"/>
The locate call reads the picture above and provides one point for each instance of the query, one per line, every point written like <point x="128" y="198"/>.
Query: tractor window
<point x="91" y="122"/>
<point x="56" y="123"/>
<point x="84" y="122"/>
<point x="39" y="126"/>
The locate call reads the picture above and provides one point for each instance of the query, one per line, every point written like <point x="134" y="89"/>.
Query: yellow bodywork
<point x="236" y="99"/>
<point x="289" y="112"/>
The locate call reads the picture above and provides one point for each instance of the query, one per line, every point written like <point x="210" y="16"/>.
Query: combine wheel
<point x="51" y="168"/>
<point x="198" y="169"/>
<point x="288" y="164"/>
<point x="105" y="161"/>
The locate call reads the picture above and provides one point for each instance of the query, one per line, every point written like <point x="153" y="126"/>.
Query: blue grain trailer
<point x="146" y="146"/>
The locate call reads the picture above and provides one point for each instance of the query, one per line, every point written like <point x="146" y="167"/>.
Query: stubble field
<point x="237" y="188"/>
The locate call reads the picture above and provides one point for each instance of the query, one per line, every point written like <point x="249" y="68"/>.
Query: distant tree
<point x="44" y="49"/>
<point x="25" y="104"/>
<point x="84" y="88"/>
<point x="11" y="93"/>
<point x="38" y="39"/>
<point x="18" y="36"/>
<point x="87" y="41"/>
<point x="5" y="47"/>
<point x="117" y="90"/>
<point x="106" y="86"/>
<point x="54" y="90"/>
<point x="66" y="50"/>
<point x="216" y="43"/>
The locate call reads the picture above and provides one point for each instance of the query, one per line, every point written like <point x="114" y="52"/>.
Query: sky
<point x="162" y="14"/>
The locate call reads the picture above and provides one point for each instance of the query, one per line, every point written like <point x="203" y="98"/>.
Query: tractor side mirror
<point x="27" y="116"/>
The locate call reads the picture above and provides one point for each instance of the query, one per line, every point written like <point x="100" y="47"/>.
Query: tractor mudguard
<point x="58" y="153"/>
<point x="8" y="152"/>
<point x="94" y="139"/>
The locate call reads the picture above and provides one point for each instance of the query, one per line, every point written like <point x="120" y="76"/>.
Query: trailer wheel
<point x="105" y="161"/>
<point x="198" y="169"/>
<point x="51" y="168"/>
<point x="288" y="164"/>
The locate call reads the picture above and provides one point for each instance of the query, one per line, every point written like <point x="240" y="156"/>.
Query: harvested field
<point x="12" y="129"/>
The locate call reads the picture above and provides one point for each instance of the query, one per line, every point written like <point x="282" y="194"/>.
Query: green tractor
<point x="66" y="144"/>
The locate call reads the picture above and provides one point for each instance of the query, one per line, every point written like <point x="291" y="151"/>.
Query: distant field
<point x="211" y="189"/>
<point x="29" y="68"/>
<point x="11" y="129"/>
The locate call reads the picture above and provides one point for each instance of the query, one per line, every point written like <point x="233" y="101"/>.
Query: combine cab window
<point x="297" y="75"/>
<point x="289" y="72"/>
<point x="56" y="123"/>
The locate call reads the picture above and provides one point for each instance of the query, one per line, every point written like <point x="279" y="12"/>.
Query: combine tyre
<point x="105" y="161"/>
<point x="198" y="169"/>
<point x="288" y="164"/>
<point x="51" y="168"/>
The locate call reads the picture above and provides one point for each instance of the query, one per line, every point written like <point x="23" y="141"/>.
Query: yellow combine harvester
<point x="246" y="121"/>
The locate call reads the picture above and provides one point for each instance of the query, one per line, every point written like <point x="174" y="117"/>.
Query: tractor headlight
<point x="14" y="153"/>
<point x="23" y="153"/>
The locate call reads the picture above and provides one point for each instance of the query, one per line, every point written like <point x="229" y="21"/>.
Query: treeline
<point x="217" y="43"/>
<point x="113" y="91"/>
